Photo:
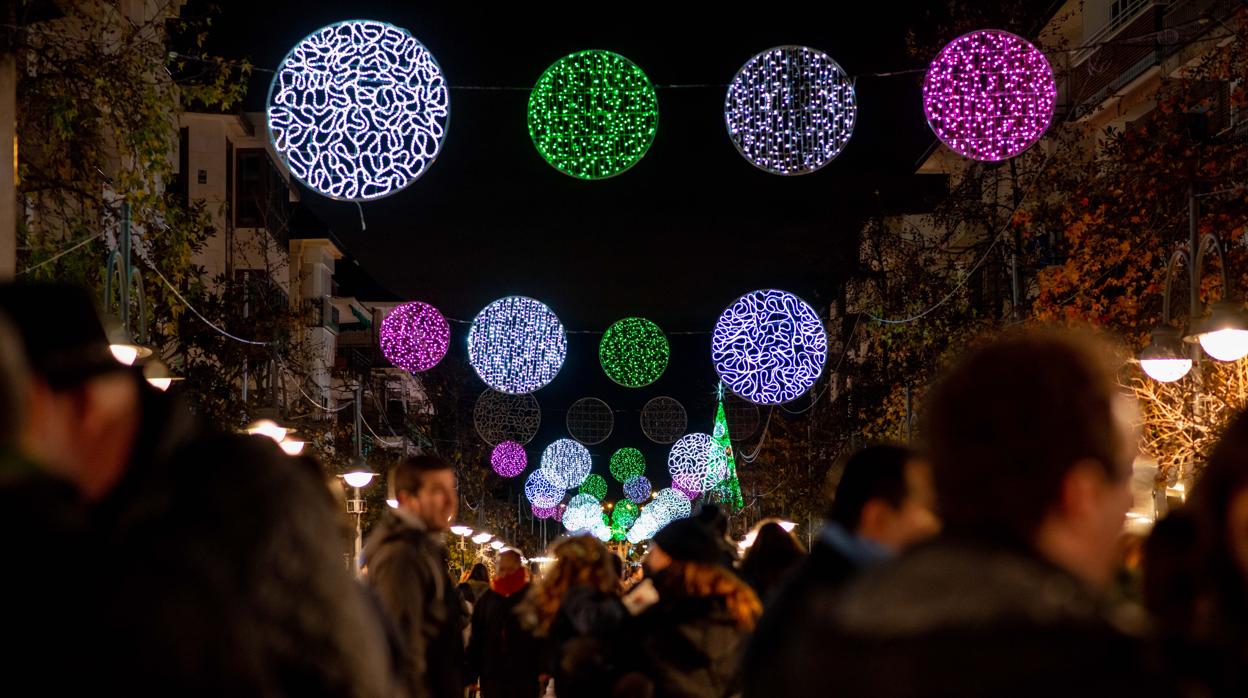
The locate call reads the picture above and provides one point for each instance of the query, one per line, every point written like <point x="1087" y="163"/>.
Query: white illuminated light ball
<point x="1225" y="345"/>
<point x="696" y="463"/>
<point x="769" y="347"/>
<point x="540" y="492"/>
<point x="358" y="110"/>
<point x="1166" y="370"/>
<point x="517" y="345"/>
<point x="790" y="110"/>
<point x="566" y="464"/>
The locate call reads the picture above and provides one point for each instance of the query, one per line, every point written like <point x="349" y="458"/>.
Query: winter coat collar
<point x="859" y="551"/>
<point x="960" y="584"/>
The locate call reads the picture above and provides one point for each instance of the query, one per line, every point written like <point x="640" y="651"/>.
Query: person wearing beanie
<point x="502" y="655"/>
<point x="693" y="616"/>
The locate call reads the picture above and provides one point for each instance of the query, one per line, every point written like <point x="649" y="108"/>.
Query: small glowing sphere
<point x="769" y="347"/>
<point x="634" y="352"/>
<point x="595" y="486"/>
<point x="508" y="459"/>
<point x="566" y="463"/>
<point x="627" y="463"/>
<point x="414" y="336"/>
<point x="989" y="95"/>
<point x="517" y="345"/>
<point x="593" y="114"/>
<point x="638" y="489"/>
<point x="540" y="492"/>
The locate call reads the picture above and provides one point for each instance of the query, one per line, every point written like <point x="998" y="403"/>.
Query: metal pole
<point x="124" y="244"/>
<point x="359" y="418"/>
<point x="359" y="535"/>
<point x="1193" y="242"/>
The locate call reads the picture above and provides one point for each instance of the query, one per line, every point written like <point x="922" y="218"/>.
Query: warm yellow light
<point x="1225" y="345"/>
<point x="1166" y="370"/>
<point x="788" y="526"/>
<point x="125" y="353"/>
<point x="267" y="427"/>
<point x="461" y="530"/>
<point x="291" y="446"/>
<point x="161" y="384"/>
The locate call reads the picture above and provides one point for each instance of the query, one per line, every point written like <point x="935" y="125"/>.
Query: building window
<point x="253" y="194"/>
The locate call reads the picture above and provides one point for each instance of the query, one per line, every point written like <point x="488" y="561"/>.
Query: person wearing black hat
<point x="691" y="630"/>
<point x="203" y="567"/>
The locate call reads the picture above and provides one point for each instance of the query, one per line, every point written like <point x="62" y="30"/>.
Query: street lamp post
<point x="1223" y="335"/>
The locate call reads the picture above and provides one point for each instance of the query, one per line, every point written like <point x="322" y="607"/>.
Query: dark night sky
<point x="677" y="237"/>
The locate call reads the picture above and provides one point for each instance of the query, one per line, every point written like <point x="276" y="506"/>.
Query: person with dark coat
<point x="883" y="504"/>
<point x="693" y="616"/>
<point x="407" y="567"/>
<point x="773" y="555"/>
<point x="575" y="611"/>
<point x="502" y="655"/>
<point x="474" y="584"/>
<point x="1196" y="574"/>
<point x="205" y="570"/>
<point x="1031" y="447"/>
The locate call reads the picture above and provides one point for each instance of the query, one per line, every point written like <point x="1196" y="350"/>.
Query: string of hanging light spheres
<point x="359" y="109"/>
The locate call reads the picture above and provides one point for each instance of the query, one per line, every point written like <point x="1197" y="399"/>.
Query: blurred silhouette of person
<point x="774" y="554"/>
<point x="502" y="655"/>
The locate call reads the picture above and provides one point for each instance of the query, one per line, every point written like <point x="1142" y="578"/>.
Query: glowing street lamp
<point x="1224" y="334"/>
<point x="482" y="538"/>
<point x="1165" y="359"/>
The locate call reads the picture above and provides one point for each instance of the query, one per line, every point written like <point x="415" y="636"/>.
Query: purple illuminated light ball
<point x="508" y="459"/>
<point x="555" y="512"/>
<point x="414" y="336"/>
<point x="638" y="489"/>
<point x="989" y="95"/>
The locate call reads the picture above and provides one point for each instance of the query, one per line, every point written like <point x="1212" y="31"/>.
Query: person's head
<point x="713" y="518"/>
<point x="772" y="554"/>
<point x="885" y="496"/>
<point x="1030" y="440"/>
<point x="683" y="540"/>
<point x="580" y="561"/>
<point x="425" y="486"/>
<point x="509" y="561"/>
<point x="1218" y="506"/>
<point x="479" y="572"/>
<point x="82" y="406"/>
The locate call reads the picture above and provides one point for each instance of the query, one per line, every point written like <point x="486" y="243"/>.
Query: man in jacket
<point x="883" y="504"/>
<point x="500" y="652"/>
<point x="407" y="567"/>
<point x="1031" y="450"/>
<point x="204" y="569"/>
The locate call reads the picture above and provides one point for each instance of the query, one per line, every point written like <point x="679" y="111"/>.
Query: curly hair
<point x="698" y="580"/>
<point x="581" y="561"/>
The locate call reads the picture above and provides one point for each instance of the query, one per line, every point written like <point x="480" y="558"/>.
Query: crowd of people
<point x="153" y="556"/>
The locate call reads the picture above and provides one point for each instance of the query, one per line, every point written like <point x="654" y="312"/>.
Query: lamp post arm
<point x="1210" y="243"/>
<point x="1178" y="258"/>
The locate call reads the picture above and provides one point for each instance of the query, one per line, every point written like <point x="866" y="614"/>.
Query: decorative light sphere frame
<point x="590" y="421"/>
<point x="989" y="95"/>
<point x="541" y="492"/>
<point x="566" y="463"/>
<point x="593" y="114"/>
<point x="664" y="420"/>
<point x="627" y="463"/>
<point x="517" y="345"/>
<point x="634" y="352"/>
<point x="769" y="347"/>
<point x="414" y="336"/>
<point x="555" y="512"/>
<point x="500" y="417"/>
<point x="358" y="110"/>
<point x="508" y="459"/>
<point x="790" y="110"/>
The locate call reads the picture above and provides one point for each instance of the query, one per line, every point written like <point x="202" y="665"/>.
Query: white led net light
<point x="696" y="463"/>
<point x="790" y="110"/>
<point x="517" y="345"/>
<point x="358" y="110"/>
<point x="541" y="492"/>
<point x="769" y="347"/>
<point x="566" y="463"/>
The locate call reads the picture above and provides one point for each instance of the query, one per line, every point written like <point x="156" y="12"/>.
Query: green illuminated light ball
<point x="624" y="514"/>
<point x="634" y="352"/>
<point x="593" y="114"/>
<point x="626" y="464"/>
<point x="595" y="486"/>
